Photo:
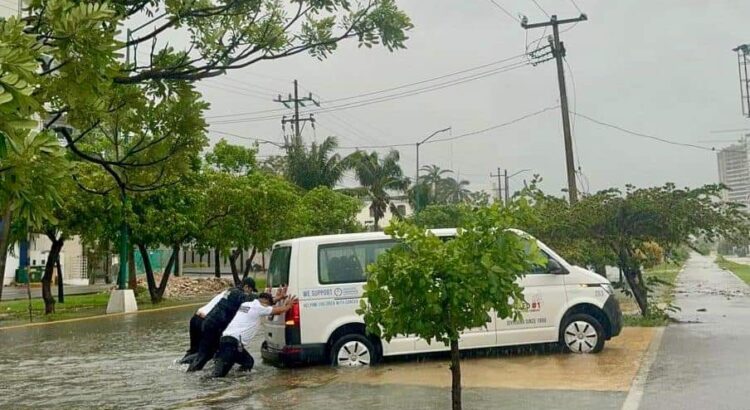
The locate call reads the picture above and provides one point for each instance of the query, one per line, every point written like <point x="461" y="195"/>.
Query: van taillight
<point x="292" y="315"/>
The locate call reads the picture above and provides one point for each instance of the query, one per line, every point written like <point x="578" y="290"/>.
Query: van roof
<point x="355" y="237"/>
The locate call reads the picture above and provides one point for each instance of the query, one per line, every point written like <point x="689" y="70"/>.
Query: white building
<point x="734" y="172"/>
<point x="366" y="218"/>
<point x="72" y="259"/>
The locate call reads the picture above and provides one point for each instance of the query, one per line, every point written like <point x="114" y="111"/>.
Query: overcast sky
<point x="662" y="68"/>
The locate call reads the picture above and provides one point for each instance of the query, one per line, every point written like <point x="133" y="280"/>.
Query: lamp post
<point x="507" y="179"/>
<point x="416" y="177"/>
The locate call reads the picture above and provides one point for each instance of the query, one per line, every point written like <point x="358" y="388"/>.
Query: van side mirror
<point x="555" y="268"/>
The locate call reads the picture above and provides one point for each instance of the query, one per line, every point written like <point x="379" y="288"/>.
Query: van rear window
<point x="347" y="263"/>
<point x="278" y="268"/>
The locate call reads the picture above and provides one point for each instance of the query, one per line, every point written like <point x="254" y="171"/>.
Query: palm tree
<point x="454" y="191"/>
<point x="379" y="176"/>
<point x="432" y="179"/>
<point x="317" y="166"/>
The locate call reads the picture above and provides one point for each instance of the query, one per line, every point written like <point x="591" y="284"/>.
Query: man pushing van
<point x="235" y="340"/>
<point x="217" y="320"/>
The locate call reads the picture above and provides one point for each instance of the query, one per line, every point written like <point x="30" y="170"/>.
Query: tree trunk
<point x="165" y="276"/>
<point x="49" y="267"/>
<point x="4" y="242"/>
<point x="455" y="375"/>
<point x="60" y="292"/>
<point x="233" y="264"/>
<point x="177" y="260"/>
<point x="108" y="266"/>
<point x="132" y="277"/>
<point x="635" y="281"/>
<point x="249" y="262"/>
<point x="149" y="273"/>
<point x="217" y="263"/>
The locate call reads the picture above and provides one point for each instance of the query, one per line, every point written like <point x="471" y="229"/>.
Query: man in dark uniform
<point x="217" y="320"/>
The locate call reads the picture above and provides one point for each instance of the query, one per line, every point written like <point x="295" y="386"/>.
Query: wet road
<point x="703" y="361"/>
<point x="128" y="362"/>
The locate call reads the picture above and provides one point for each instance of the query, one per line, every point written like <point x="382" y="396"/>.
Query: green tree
<point x="316" y="166"/>
<point x="437" y="289"/>
<point x="441" y="216"/>
<point x="248" y="212"/>
<point x="613" y="227"/>
<point x="432" y="179"/>
<point x="378" y="177"/>
<point x="234" y="159"/>
<point x="454" y="191"/>
<point x="325" y="212"/>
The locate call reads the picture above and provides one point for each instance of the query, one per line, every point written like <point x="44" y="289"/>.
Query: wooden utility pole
<point x="507" y="185"/>
<point x="499" y="177"/>
<point x="297" y="102"/>
<point x="558" y="51"/>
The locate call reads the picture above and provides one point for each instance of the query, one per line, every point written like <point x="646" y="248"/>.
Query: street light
<point x="416" y="178"/>
<point x="507" y="179"/>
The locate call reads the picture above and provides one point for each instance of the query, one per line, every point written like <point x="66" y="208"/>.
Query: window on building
<point x="401" y="210"/>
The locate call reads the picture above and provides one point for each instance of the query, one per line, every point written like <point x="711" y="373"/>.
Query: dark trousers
<point x="210" y="335"/>
<point x="231" y="351"/>
<point x="196" y="330"/>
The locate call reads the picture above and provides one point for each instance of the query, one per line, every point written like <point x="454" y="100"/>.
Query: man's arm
<point x="277" y="310"/>
<point x="280" y="294"/>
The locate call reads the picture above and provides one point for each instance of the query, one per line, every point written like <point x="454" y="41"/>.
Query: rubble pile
<point x="184" y="287"/>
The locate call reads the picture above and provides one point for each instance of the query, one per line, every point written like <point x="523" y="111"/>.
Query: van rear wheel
<point x="353" y="350"/>
<point x="582" y="333"/>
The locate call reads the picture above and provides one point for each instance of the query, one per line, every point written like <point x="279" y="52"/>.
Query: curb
<point x="78" y="319"/>
<point x="635" y="395"/>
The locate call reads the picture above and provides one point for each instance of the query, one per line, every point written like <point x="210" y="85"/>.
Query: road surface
<point x="703" y="360"/>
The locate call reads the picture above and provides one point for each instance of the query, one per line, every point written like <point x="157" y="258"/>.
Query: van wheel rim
<point x="353" y="354"/>
<point x="581" y="337"/>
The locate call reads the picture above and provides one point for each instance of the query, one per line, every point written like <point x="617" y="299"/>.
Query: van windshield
<point x="278" y="268"/>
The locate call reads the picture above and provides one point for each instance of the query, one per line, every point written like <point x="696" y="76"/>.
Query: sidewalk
<point x="702" y="363"/>
<point x="16" y="293"/>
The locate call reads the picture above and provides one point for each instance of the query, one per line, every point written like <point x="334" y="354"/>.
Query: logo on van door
<point x="534" y="304"/>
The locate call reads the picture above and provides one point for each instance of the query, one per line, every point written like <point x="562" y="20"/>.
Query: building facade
<point x="367" y="220"/>
<point x="734" y="172"/>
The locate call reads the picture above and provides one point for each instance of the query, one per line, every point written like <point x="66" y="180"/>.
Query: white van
<point x="566" y="304"/>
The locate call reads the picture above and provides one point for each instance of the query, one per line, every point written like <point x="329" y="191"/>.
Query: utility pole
<point x="297" y="102"/>
<point x="558" y="51"/>
<point x="507" y="190"/>
<point x="743" y="61"/>
<point x="499" y="177"/>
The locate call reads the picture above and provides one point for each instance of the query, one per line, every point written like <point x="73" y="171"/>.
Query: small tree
<point x="324" y="211"/>
<point x="437" y="289"/>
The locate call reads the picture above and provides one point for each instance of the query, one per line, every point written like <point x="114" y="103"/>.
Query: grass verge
<point x="661" y="297"/>
<point x="16" y="312"/>
<point x="742" y="271"/>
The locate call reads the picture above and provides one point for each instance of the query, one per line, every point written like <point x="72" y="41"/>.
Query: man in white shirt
<point x="196" y="326"/>
<point x="235" y="341"/>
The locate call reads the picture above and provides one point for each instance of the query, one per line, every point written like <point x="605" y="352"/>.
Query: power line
<point x="576" y="6"/>
<point x="639" y="134"/>
<point x="504" y="10"/>
<point x="399" y="87"/>
<point x="494" y="127"/>
<point x="540" y="8"/>
<point x="391" y="97"/>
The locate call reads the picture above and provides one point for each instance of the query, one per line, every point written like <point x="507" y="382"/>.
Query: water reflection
<point x="130" y="362"/>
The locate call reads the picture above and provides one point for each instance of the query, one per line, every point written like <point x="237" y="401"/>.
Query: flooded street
<point x="128" y="362"/>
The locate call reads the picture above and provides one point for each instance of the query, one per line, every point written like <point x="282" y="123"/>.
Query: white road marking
<point x="633" y="401"/>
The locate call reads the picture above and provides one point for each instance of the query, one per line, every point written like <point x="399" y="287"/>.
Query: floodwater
<point x="129" y="362"/>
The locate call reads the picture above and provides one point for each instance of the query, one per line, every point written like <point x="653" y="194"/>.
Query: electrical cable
<point x="504" y="10"/>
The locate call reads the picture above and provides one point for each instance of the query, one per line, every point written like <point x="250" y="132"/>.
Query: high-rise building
<point x="734" y="172"/>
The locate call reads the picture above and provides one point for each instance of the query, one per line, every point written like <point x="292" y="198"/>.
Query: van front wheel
<point x="353" y="350"/>
<point x="582" y="333"/>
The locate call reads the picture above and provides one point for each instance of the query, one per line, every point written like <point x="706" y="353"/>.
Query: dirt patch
<point x="611" y="370"/>
<point x="184" y="287"/>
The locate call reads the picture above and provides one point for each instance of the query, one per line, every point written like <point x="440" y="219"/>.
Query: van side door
<point x="545" y="296"/>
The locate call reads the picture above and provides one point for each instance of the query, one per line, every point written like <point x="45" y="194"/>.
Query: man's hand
<point x="286" y="306"/>
<point x="280" y="293"/>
